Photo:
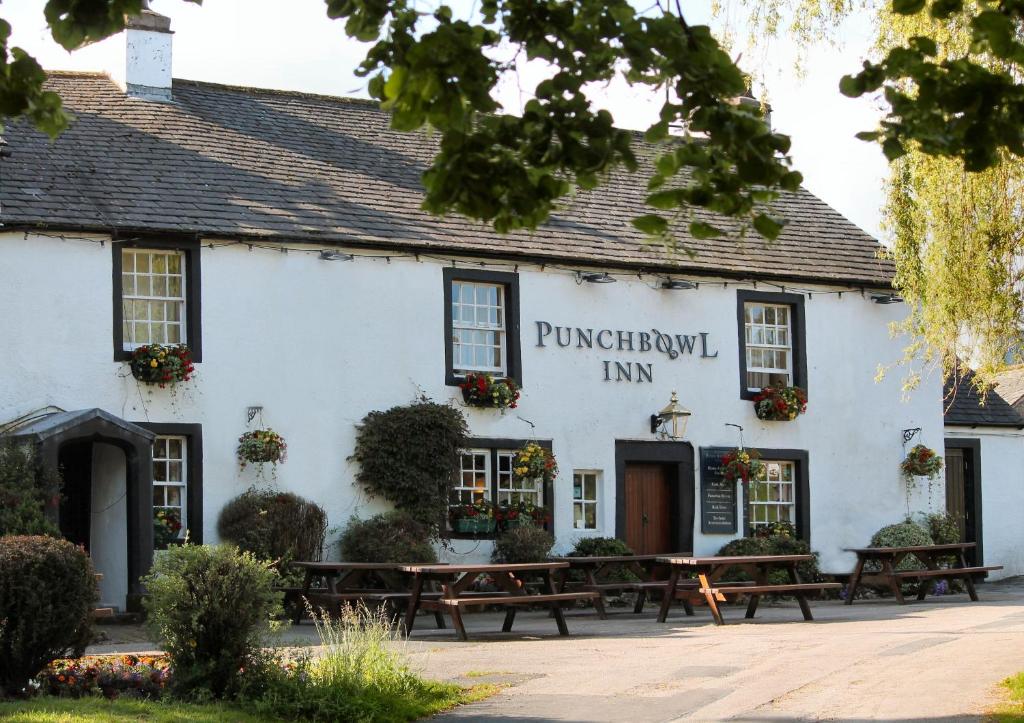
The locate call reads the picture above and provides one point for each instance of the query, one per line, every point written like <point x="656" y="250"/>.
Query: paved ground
<point x="937" y="660"/>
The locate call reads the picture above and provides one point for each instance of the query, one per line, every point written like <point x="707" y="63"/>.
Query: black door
<point x="76" y="494"/>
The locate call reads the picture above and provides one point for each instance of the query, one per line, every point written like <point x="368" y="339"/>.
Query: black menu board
<point x="717" y="497"/>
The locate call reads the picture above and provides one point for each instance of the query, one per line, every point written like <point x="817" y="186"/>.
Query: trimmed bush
<point x="603" y="547"/>
<point x="902" y="534"/>
<point x="25" y="490"/>
<point x="410" y="456"/>
<point x="274" y="525"/>
<point x="523" y="544"/>
<point x="943" y="528"/>
<point x="773" y="545"/>
<point x="47" y="595"/>
<point x="390" y="537"/>
<point x="211" y="607"/>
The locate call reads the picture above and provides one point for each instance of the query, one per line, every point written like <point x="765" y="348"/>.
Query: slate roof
<point x="231" y="162"/>
<point x="1010" y="385"/>
<point x="963" y="405"/>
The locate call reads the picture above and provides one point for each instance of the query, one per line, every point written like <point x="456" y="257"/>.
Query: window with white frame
<point x="772" y="495"/>
<point x="474" y="482"/>
<point x="769" y="344"/>
<point x="585" y="484"/>
<point x="152" y="297"/>
<point x="170" y="476"/>
<point x="512" y="491"/>
<point x="478" y="328"/>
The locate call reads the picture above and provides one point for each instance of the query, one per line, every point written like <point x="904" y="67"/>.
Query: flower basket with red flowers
<point x="166" y="526"/>
<point x="475" y="518"/>
<point x="921" y="462"/>
<point x="778" y="403"/>
<point x="741" y="464"/>
<point x="534" y="462"/>
<point x="483" y="390"/>
<point x="261" y="446"/>
<point x="162" y="365"/>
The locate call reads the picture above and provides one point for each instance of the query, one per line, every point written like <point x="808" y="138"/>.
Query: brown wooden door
<point x="648" y="509"/>
<point x="955" y="488"/>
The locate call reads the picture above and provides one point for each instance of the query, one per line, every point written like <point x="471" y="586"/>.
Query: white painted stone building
<point x="279" y="235"/>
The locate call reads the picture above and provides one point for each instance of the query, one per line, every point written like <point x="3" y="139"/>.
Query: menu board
<point x="717" y="497"/>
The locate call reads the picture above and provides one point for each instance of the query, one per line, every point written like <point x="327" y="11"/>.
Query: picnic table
<point x="351" y="582"/>
<point x="597" y="569"/>
<point x="888" y="558"/>
<point x="456" y="580"/>
<point x="711" y="569"/>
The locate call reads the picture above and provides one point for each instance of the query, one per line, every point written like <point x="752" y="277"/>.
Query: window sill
<point x="473" y="535"/>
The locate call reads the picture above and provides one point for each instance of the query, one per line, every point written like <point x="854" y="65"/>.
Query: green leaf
<point x="665" y="200"/>
<point x="852" y="86"/>
<point x="768" y="227"/>
<point x="907" y="7"/>
<point x="651" y="224"/>
<point x="704" y="230"/>
<point x="893" y="149"/>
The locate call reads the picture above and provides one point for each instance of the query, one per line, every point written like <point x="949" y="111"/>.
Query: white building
<point x="199" y="213"/>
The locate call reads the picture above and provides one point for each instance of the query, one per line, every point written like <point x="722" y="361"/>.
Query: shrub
<point x="211" y="608"/>
<point x="25" y="490"/>
<point x="781" y="544"/>
<point x="902" y="534"/>
<point x="943" y="528"/>
<point x="603" y="547"/>
<point x="390" y="537"/>
<point x="47" y="595"/>
<point x="274" y="525"/>
<point x="523" y="544"/>
<point x="410" y="456"/>
<point x="359" y="676"/>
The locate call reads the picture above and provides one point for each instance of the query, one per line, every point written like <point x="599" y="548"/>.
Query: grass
<point x="100" y="710"/>
<point x="1012" y="710"/>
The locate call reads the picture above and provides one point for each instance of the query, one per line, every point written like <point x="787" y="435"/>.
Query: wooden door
<point x="955" y="489"/>
<point x="648" y="509"/>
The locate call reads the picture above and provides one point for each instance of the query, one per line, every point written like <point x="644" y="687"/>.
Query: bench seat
<point x="946" y="572"/>
<point x="753" y="589"/>
<point x="517" y="599"/>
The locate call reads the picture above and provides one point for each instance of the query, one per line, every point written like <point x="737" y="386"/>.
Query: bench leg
<point x="598" y="607"/>
<point x="439" y="619"/>
<point x="851" y="589"/>
<point x="752" y="606"/>
<point x="710" y="596"/>
<point x="968" y="579"/>
<point x="669" y="596"/>
<point x="688" y="607"/>
<point x="456" y="614"/>
<point x="414" y="604"/>
<point x="894" y="583"/>
<point x="641" y="598"/>
<point x="510" y="618"/>
<point x="556" y="609"/>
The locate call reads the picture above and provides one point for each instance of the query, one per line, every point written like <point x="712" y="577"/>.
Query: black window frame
<point x="802" y="489"/>
<point x="513" y="354"/>
<point x="798" y="334"/>
<point x="493" y="445"/>
<point x="193" y="434"/>
<point x="193" y="295"/>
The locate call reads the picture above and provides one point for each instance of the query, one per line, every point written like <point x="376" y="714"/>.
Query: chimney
<point x="748" y="101"/>
<point x="148" y="56"/>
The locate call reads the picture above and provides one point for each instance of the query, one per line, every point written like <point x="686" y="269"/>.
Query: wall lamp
<point x="326" y="255"/>
<point x="678" y="284"/>
<point x="598" y="278"/>
<point x="670" y="422"/>
<point x="886" y="299"/>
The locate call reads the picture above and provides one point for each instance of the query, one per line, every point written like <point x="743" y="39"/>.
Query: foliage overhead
<point x="411" y="456"/>
<point x="25" y="491"/>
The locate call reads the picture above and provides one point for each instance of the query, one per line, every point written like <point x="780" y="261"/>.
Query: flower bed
<point x="111" y="676"/>
<point x="780" y="404"/>
<point x="162" y="365"/>
<point x="483" y="390"/>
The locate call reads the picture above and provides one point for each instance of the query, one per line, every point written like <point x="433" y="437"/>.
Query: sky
<point x="292" y="45"/>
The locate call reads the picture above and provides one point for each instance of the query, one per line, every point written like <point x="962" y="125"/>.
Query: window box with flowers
<point x="779" y="403"/>
<point x="522" y="514"/>
<point x="473" y="519"/>
<point x="741" y="464"/>
<point x="483" y="390"/>
<point x="166" y="527"/>
<point x="162" y="365"/>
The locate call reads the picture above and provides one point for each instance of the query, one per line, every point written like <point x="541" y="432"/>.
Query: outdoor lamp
<point x="675" y="414"/>
<point x="598" y="278"/>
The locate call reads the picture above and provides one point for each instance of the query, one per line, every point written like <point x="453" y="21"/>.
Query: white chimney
<point x="148" y="56"/>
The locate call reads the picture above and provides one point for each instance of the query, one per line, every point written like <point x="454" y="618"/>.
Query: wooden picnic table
<point x="455" y="581"/>
<point x="888" y="558"/>
<point x="597" y="568"/>
<point x="711" y="569"/>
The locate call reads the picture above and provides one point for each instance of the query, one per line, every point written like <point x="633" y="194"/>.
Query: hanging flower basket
<point x="921" y="461"/>
<point x="166" y="526"/>
<point x="162" y="365"/>
<point x="483" y="390"/>
<point x="534" y="462"/>
<point x="261" y="446"/>
<point x="477" y="518"/>
<point x="780" y="404"/>
<point x="741" y="464"/>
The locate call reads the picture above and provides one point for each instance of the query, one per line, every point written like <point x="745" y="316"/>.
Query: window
<point x="156" y="299"/>
<point x="170" y="476"/>
<point x="584" y="499"/>
<point x="481" y="323"/>
<point x="512" y="491"/>
<point x="771" y="337"/>
<point x="475" y="478"/>
<point x="772" y="496"/>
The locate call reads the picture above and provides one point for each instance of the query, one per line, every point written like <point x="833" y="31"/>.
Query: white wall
<point x="319" y="344"/>
<point x="1002" y="495"/>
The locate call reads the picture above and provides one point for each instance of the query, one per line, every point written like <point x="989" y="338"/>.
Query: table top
<point x="482" y="568"/>
<point x="911" y="548"/>
<point x="608" y="559"/>
<point x="345" y="566"/>
<point x="735" y="560"/>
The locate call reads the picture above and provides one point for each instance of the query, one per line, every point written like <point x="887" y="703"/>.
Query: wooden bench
<point x="933" y="557"/>
<point x="950" y="572"/>
<point x="554" y="600"/>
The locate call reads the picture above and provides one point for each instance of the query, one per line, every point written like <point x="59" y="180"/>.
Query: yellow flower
<point x="153" y="363"/>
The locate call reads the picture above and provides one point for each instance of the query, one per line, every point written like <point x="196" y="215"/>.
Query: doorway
<point x="654" y="492"/>
<point x="75" y="462"/>
<point x="648" y="507"/>
<point x="963" y="492"/>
